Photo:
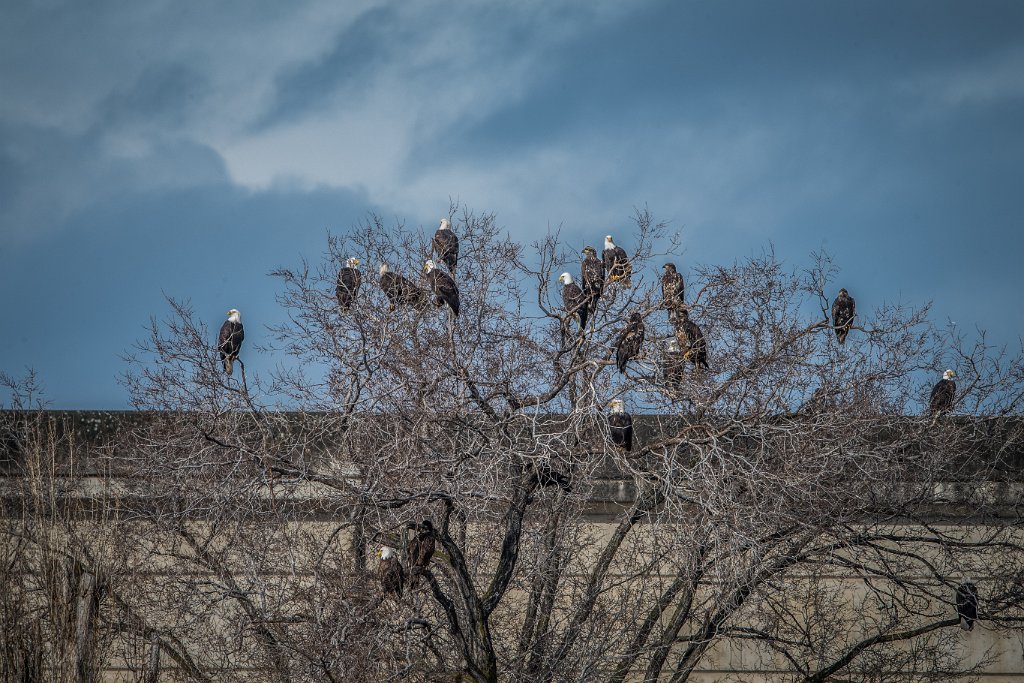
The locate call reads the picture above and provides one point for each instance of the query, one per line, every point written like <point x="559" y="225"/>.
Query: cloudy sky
<point x="185" y="148"/>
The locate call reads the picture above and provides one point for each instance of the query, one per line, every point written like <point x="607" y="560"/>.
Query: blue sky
<point x="189" y="148"/>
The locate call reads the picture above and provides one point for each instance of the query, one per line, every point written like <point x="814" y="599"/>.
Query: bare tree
<point x="785" y="506"/>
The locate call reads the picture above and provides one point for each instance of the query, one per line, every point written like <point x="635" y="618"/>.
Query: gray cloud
<point x="889" y="133"/>
<point x="47" y="176"/>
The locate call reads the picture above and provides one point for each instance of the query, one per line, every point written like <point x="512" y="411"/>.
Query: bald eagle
<point x="691" y="340"/>
<point x="574" y="300"/>
<point x="672" y="365"/>
<point x="349" y="279"/>
<point x="421" y="549"/>
<point x="592" y="274"/>
<point x="443" y="286"/>
<point x="446" y="245"/>
<point x="620" y="426"/>
<point x="943" y="394"/>
<point x="401" y="291"/>
<point x="843" y="310"/>
<point x="392" y="576"/>
<point x="672" y="289"/>
<point x="616" y="262"/>
<point x="967" y="605"/>
<point x="629" y="342"/>
<point x="229" y="341"/>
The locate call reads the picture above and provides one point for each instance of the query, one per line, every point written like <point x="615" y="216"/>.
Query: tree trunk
<point x="85" y="621"/>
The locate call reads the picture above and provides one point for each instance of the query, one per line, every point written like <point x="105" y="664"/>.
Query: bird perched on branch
<point x="616" y="262"/>
<point x="967" y="605"/>
<point x="443" y="286"/>
<point x="629" y="342"/>
<point x="672" y="290"/>
<point x="592" y="275"/>
<point x="421" y="549"/>
<point x="446" y="245"/>
<point x="843" y="310"/>
<point x="392" y="575"/>
<point x="349" y="279"/>
<point x="401" y="291"/>
<point x="620" y="425"/>
<point x="574" y="300"/>
<point x="691" y="340"/>
<point x="229" y="340"/>
<point x="548" y="476"/>
<point x="943" y="394"/>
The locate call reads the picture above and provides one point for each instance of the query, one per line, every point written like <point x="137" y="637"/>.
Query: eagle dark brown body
<point x="446" y="246"/>
<point x="402" y="291"/>
<point x="349" y="280"/>
<point x="691" y="340"/>
<point x="844" y="308"/>
<point x="630" y="341"/>
<point x="229" y="342"/>
<point x="592" y="276"/>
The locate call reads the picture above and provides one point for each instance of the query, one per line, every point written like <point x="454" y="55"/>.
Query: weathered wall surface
<point x="80" y="481"/>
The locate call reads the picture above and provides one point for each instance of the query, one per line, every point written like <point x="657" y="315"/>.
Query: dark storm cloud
<point x="49" y="175"/>
<point x="358" y="50"/>
<point x="106" y="272"/>
<point x="188" y="149"/>
<point x="162" y="95"/>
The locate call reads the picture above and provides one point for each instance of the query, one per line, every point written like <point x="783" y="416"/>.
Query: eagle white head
<point x="948" y="374"/>
<point x="383" y="269"/>
<point x="673" y="345"/>
<point x="429" y="266"/>
<point x="386" y="552"/>
<point x="565" y="279"/>
<point x="608" y="243"/>
<point x="445" y="224"/>
<point x="352" y="262"/>
<point x="618" y="405"/>
<point x="234" y="316"/>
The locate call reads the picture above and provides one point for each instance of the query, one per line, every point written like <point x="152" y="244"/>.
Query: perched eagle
<point x="229" y="341"/>
<point x="574" y="300"/>
<point x="943" y="394"/>
<point x="548" y="476"/>
<point x="620" y="426"/>
<point x="349" y="279"/>
<point x="392" y="576"/>
<point x="691" y="340"/>
<point x="843" y="310"/>
<point x="401" y="290"/>
<point x="616" y="263"/>
<point x="443" y="286"/>
<point x="672" y="289"/>
<point x="446" y="245"/>
<point x="421" y="549"/>
<point x="592" y="274"/>
<point x="673" y="363"/>
<point x="630" y="341"/>
<point x="967" y="605"/>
